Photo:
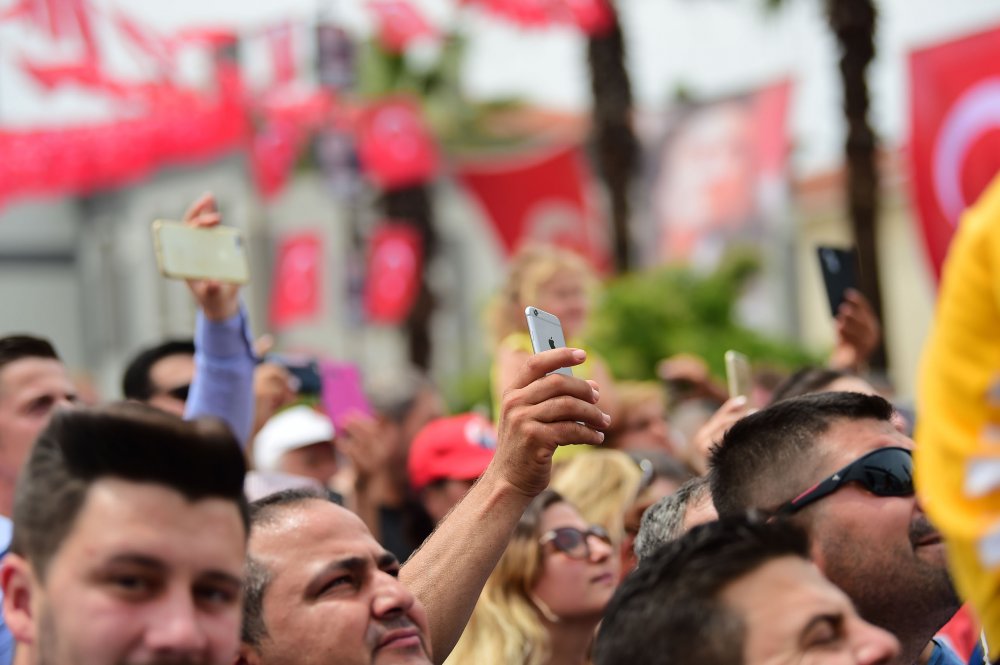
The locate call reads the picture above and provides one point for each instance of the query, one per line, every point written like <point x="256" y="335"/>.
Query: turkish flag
<point x="399" y="24"/>
<point x="395" y="146"/>
<point x="955" y="125"/>
<point x="539" y="197"/>
<point x="295" y="294"/>
<point x="393" y="273"/>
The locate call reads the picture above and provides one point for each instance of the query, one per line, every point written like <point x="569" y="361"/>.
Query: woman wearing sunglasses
<point x="544" y="600"/>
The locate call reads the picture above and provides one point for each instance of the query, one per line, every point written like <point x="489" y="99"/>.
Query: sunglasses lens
<point x="180" y="392"/>
<point x="570" y="541"/>
<point x="599" y="533"/>
<point x="887" y="473"/>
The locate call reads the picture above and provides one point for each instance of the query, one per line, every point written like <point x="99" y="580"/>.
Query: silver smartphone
<point x="546" y="333"/>
<point x="738" y="374"/>
<point x="186" y="252"/>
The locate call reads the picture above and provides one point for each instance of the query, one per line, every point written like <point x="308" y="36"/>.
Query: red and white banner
<point x="394" y="268"/>
<point x="295" y="294"/>
<point x="395" y="146"/>
<point x="955" y="132"/>
<point x="399" y="24"/>
<point x="592" y="17"/>
<point x="719" y="175"/>
<point x="539" y="197"/>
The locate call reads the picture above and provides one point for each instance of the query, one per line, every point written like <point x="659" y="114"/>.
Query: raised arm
<point x="224" y="358"/>
<point x="539" y="413"/>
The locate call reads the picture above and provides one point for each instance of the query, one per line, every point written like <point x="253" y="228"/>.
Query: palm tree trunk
<point x="413" y="206"/>
<point x="613" y="138"/>
<point x="853" y="22"/>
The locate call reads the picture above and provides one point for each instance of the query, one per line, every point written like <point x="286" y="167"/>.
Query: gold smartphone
<point x="738" y="376"/>
<point x="184" y="252"/>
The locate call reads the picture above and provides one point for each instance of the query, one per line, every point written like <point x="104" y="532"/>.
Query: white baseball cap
<point x="293" y="428"/>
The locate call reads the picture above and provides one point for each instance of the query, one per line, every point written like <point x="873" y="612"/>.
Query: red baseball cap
<point x="455" y="448"/>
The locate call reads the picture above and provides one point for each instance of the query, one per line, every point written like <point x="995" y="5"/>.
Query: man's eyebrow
<point x="221" y="577"/>
<point x="387" y="560"/>
<point x="351" y="563"/>
<point x="835" y="619"/>
<point x="141" y="560"/>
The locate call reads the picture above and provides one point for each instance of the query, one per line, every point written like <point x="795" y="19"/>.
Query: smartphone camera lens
<point x="534" y="312"/>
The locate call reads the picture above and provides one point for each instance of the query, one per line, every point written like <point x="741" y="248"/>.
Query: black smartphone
<point x="840" y="272"/>
<point x="304" y="370"/>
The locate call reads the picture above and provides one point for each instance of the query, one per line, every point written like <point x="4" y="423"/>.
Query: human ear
<point x="20" y="590"/>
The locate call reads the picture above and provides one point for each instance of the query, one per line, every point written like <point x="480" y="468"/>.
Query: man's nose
<point x="874" y="646"/>
<point x="391" y="597"/>
<point x="174" y="627"/>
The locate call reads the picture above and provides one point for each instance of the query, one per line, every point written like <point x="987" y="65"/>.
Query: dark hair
<point x="668" y="610"/>
<point x="768" y="456"/>
<point x="664" y="520"/>
<point x="137" y="383"/>
<point x="198" y="459"/>
<point x="257" y="576"/>
<point x="16" y="347"/>
<point x="805" y="381"/>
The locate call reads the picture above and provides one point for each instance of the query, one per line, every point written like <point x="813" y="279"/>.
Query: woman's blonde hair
<point x="506" y="627"/>
<point x="602" y="484"/>
<point x="529" y="269"/>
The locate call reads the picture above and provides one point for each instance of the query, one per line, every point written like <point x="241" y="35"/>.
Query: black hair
<point x="137" y="383"/>
<point x="16" y="347"/>
<point x="199" y="459"/>
<point x="805" y="381"/>
<point x="668" y="610"/>
<point x="766" y="458"/>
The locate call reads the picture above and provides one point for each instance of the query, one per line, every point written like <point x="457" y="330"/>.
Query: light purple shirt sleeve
<point x="223" y="376"/>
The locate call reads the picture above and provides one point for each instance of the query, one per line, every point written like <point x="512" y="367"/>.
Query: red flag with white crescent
<point x="955" y="125"/>
<point x="393" y="273"/>
<point x="295" y="294"/>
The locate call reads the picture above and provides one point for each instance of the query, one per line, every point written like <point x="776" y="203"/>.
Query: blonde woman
<point x="547" y="594"/>
<point x="557" y="281"/>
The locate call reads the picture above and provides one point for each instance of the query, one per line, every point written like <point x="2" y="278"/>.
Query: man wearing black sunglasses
<point x="835" y="464"/>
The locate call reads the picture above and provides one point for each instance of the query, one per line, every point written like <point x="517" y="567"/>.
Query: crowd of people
<point x="215" y="518"/>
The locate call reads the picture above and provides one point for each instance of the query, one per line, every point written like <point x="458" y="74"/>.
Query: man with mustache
<point x="320" y="588"/>
<point x="835" y="464"/>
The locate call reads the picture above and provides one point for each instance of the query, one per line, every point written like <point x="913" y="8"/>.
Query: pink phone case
<point x="343" y="394"/>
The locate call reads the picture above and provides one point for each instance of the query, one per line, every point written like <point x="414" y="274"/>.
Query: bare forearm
<point x="449" y="570"/>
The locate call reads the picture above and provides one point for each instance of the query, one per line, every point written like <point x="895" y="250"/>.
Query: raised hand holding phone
<point x="546" y="333"/>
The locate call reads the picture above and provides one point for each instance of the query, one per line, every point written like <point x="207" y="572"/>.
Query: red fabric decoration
<point x="593" y="17"/>
<point x="399" y="24"/>
<point x="295" y="294"/>
<point x="539" y="198"/>
<point x="955" y="124"/>
<point x="393" y="273"/>
<point x="395" y="146"/>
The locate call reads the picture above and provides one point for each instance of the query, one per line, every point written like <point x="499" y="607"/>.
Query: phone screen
<point x="839" y="267"/>
<point x="546" y="333"/>
<point x="738" y="376"/>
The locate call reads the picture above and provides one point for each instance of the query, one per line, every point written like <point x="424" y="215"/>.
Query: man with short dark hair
<point x="672" y="516"/>
<point x="736" y="592"/>
<point x="835" y="464"/>
<point x="129" y="534"/>
<point x="321" y="588"/>
<point x="33" y="382"/>
<point x="161" y="375"/>
<point x="333" y="593"/>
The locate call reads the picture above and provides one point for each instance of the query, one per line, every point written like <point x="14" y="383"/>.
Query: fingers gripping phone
<point x="546" y="333"/>
<point x="738" y="377"/>
<point x="186" y="252"/>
